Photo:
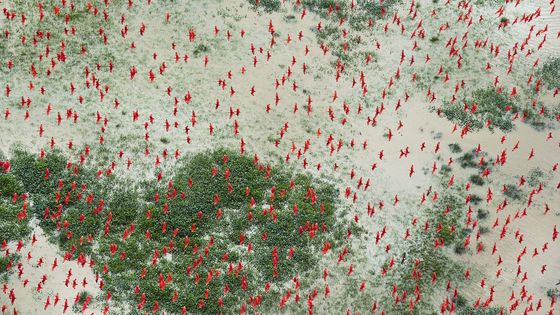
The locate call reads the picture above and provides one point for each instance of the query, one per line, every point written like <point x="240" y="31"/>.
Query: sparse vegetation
<point x="535" y="177"/>
<point x="447" y="228"/>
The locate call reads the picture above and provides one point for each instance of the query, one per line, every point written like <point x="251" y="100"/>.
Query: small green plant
<point x="476" y="179"/>
<point x="475" y="199"/>
<point x="459" y="249"/>
<point x="469" y="310"/>
<point x="289" y="18"/>
<point x="4" y="261"/>
<point x="467" y="160"/>
<point x="77" y="307"/>
<point x="455" y="148"/>
<point x="12" y="226"/>
<point x="461" y="301"/>
<point x="200" y="49"/>
<point x="482" y="214"/>
<point x="535" y="177"/>
<point x="513" y="192"/>
<point x="553" y="292"/>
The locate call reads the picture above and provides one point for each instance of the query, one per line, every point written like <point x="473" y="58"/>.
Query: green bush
<point x="469" y="310"/>
<point x="482" y="214"/>
<point x="4" y="264"/>
<point x="11" y="228"/>
<point x="535" y="177"/>
<point x="476" y="179"/>
<point x="513" y="192"/>
<point x="8" y="186"/>
<point x="470" y="160"/>
<point x="455" y="148"/>
<point x="491" y="105"/>
<point x="267" y="5"/>
<point x="198" y="51"/>
<point x="550" y="72"/>
<point x="30" y="171"/>
<point x="553" y="292"/>
<point x="475" y="199"/>
<point x="448" y="212"/>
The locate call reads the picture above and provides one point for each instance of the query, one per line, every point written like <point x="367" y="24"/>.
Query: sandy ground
<point x="41" y="260"/>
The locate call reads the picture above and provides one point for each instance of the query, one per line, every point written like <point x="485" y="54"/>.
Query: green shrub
<point x="455" y="148"/>
<point x="467" y="160"/>
<point x="30" y="171"/>
<point x="8" y="186"/>
<point x="475" y="199"/>
<point x="4" y="264"/>
<point x="513" y="192"/>
<point x="535" y="177"/>
<point x="11" y="228"/>
<point x="482" y="214"/>
<point x="267" y="5"/>
<point x="476" y="179"/>
<point x="469" y="310"/>
<point x="550" y="72"/>
<point x="199" y="49"/>
<point x="553" y="292"/>
<point x="491" y="105"/>
<point x="448" y="212"/>
<point x="461" y="301"/>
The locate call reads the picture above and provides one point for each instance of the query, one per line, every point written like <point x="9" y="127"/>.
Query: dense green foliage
<point x="187" y="228"/>
<point x="13" y="215"/>
<point x="491" y="105"/>
<point x="550" y="73"/>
